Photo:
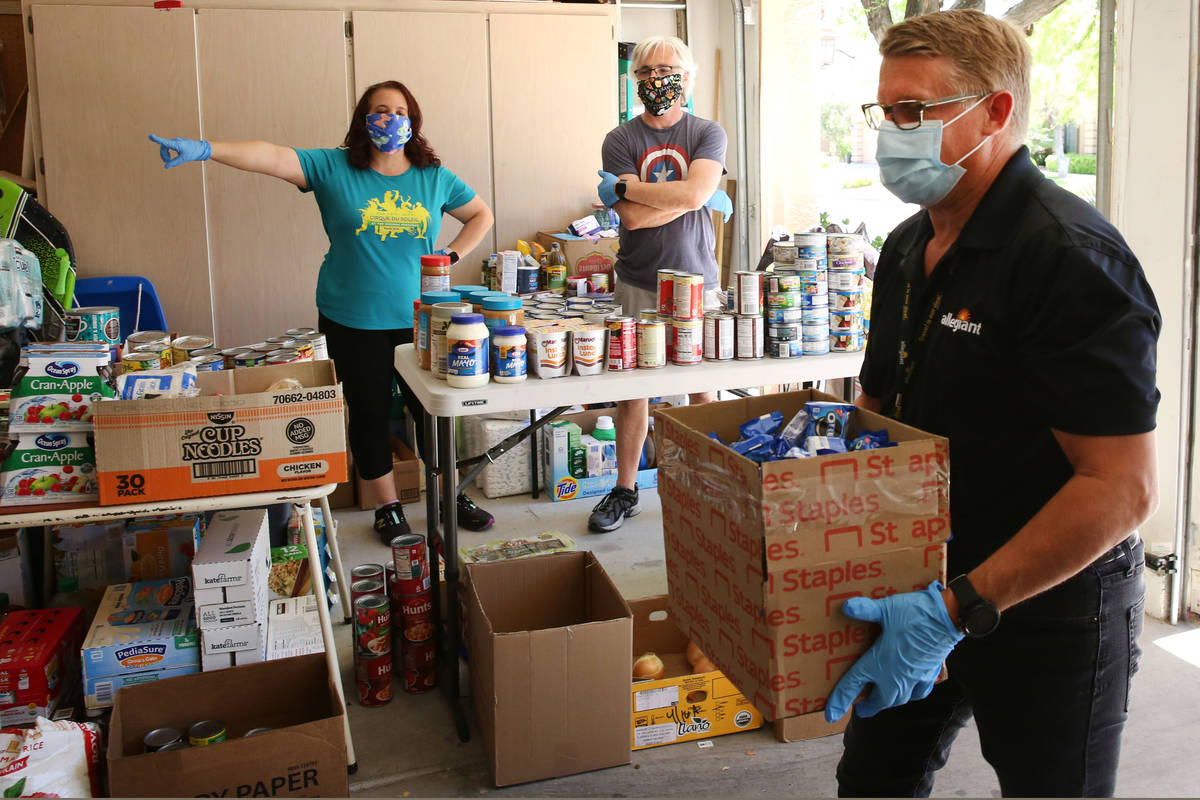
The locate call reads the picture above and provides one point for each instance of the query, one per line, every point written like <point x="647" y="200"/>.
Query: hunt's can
<point x="375" y="571"/>
<point x="159" y="738"/>
<point x="373" y="675"/>
<point x="141" y="360"/>
<point x="749" y="292"/>
<point x="410" y="556"/>
<point x="296" y="333"/>
<point x="93" y="324"/>
<point x="230" y="355"/>
<point x="206" y="732"/>
<point x="689" y="295"/>
<point x="420" y="666"/>
<point x="416" y="612"/>
<point x="372" y="625"/>
<point x="209" y="363"/>
<point x="651" y="344"/>
<point x="689" y="342"/>
<point x="749" y="337"/>
<point x="622" y="343"/>
<point x="184" y="348"/>
<point x="719" y="333"/>
<point x="320" y="350"/>
<point x="365" y="586"/>
<point x="666" y="292"/>
<point x="249" y="358"/>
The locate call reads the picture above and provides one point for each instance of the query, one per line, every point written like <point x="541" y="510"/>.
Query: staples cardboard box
<point x="807" y="726"/>
<point x="584" y="256"/>
<point x="760" y="558"/>
<point x="551" y="652"/>
<point x="304" y="756"/>
<point x="680" y="706"/>
<point x="237" y="437"/>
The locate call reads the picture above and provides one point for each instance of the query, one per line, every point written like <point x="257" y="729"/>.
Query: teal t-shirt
<point x="378" y="226"/>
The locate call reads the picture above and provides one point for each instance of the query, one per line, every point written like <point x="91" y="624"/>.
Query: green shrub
<point x="1076" y="162"/>
<point x="857" y="183"/>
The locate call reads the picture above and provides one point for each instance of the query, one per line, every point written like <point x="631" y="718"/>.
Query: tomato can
<point x="365" y="586"/>
<point x="749" y="292"/>
<point x="719" y="336"/>
<point x="373" y="674"/>
<point x="622" y="344"/>
<point x="416" y="611"/>
<point x="372" y="625"/>
<point x="651" y="344"/>
<point x="367" y="571"/>
<point x="420" y="666"/>
<point x="410" y="557"/>
<point x="666" y="292"/>
<point x="689" y="295"/>
<point x="689" y="342"/>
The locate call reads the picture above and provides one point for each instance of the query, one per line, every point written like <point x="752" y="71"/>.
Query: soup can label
<point x="622" y="344"/>
<point x="417" y="617"/>
<point x="719" y="333"/>
<point x="689" y="342"/>
<point x="666" y="292"/>
<point x="372" y="625"/>
<point x="373" y="676"/>
<point x="651" y="344"/>
<point x="689" y="296"/>
<point x="749" y="337"/>
<point x="410" y="556"/>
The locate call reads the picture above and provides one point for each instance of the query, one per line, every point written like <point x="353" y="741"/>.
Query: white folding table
<point x="442" y="404"/>
<point x="34" y="517"/>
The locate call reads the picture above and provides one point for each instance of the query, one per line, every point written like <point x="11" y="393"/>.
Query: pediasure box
<point x="50" y="467"/>
<point x="238" y="436"/>
<point x="142" y="632"/>
<point x="761" y="558"/>
<point x="682" y="706"/>
<point x="161" y="546"/>
<point x="566" y="433"/>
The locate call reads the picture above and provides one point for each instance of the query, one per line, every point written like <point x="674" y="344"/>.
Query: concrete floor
<point x="408" y="748"/>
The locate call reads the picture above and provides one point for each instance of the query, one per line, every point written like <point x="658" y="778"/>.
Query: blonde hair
<point x="683" y="56"/>
<point x="987" y="54"/>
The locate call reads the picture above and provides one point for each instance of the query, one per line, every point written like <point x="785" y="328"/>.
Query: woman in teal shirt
<point x="381" y="196"/>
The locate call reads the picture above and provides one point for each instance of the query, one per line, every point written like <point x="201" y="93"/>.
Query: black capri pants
<point x="364" y="362"/>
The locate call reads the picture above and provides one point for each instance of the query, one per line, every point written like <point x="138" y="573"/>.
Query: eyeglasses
<point x="909" y="114"/>
<point x="659" y="71"/>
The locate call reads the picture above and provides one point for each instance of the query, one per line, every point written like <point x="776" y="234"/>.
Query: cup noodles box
<point x="241" y="435"/>
<point x="161" y="546"/>
<point x="142" y="632"/>
<point x="760" y="558"/>
<point x="59" y="387"/>
<point x="39" y="659"/>
<point x="49" y="467"/>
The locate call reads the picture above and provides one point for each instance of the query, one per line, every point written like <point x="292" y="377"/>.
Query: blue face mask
<point x="910" y="161"/>
<point x="388" y="132"/>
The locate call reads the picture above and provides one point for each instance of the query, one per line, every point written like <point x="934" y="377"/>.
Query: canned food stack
<point x="847" y="279"/>
<point x="229" y="574"/>
<point x="372" y="620"/>
<point x="145" y="350"/>
<point x="409" y="587"/>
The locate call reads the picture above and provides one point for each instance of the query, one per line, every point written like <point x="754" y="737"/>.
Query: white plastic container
<point x="509" y="354"/>
<point x="467" y="352"/>
<point x="439" y="321"/>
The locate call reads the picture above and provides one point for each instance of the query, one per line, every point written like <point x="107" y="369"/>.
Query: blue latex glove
<point x="608" y="195"/>
<point x="904" y="661"/>
<point x="185" y="150"/>
<point x="721" y="202"/>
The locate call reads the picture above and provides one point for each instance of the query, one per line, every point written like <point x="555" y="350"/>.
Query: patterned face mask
<point x="388" y="132"/>
<point x="657" y="94"/>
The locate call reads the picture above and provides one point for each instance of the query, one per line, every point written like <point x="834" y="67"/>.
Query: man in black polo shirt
<point x="1012" y="318"/>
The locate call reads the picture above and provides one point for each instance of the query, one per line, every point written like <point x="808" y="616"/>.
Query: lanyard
<point x="908" y="356"/>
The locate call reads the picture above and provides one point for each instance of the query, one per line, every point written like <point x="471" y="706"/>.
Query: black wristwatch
<point x="453" y="256"/>
<point x="977" y="616"/>
<point x="619" y="189"/>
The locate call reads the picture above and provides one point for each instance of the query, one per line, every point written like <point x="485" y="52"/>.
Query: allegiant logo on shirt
<point x="962" y="322"/>
<point x="388" y="220"/>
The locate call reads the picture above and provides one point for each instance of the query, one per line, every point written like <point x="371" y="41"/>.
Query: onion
<point x="703" y="665"/>
<point x="694" y="653"/>
<point x="648" y="665"/>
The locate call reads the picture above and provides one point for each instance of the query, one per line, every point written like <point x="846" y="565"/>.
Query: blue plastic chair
<point x="123" y="292"/>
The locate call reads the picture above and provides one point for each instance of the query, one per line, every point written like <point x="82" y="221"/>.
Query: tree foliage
<point x="882" y="14"/>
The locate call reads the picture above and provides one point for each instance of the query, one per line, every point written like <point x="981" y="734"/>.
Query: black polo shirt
<point x="1046" y="322"/>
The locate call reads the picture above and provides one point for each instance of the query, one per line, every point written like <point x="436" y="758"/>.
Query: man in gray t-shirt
<point x="661" y="171"/>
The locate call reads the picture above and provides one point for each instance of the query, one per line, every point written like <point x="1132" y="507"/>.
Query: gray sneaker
<point x="610" y="513"/>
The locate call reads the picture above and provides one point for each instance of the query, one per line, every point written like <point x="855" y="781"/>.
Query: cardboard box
<point x="584" y="256"/>
<point x="121" y="651"/>
<point x="231" y="639"/>
<point x="237" y="437"/>
<point x="304" y="756"/>
<point x="680" y="706"/>
<point x="39" y="659"/>
<point x="16" y="574"/>
<point x="760" y="559"/>
<point x="406" y="472"/>
<point x="551" y="650"/>
<point x="235" y="552"/>
<point x="807" y="726"/>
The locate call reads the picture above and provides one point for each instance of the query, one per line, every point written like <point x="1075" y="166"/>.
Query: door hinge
<point x="349" y="29"/>
<point x="29" y="23"/>
<point x="1166" y="564"/>
<point x="42" y="165"/>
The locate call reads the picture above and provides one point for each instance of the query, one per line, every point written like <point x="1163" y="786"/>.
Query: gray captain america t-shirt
<point x="686" y="242"/>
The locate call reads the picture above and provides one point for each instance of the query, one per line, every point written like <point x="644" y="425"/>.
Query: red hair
<point x="358" y="144"/>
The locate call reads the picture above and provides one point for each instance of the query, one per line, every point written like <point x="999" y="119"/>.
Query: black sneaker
<point x="471" y="516"/>
<point x="610" y="513"/>
<point x="390" y="522"/>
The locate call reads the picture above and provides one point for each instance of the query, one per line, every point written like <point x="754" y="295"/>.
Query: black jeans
<point x="364" y="360"/>
<point x="1049" y="690"/>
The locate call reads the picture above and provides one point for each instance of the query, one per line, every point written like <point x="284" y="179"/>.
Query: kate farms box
<point x="760" y="558"/>
<point x="239" y="436"/>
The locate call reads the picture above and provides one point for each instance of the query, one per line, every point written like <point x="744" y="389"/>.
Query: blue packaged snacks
<point x="870" y="440"/>
<point x="823" y="445"/>
<point x="756" y="448"/>
<point x="793" y="432"/>
<point x="765" y="425"/>
<point x="828" y="419"/>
